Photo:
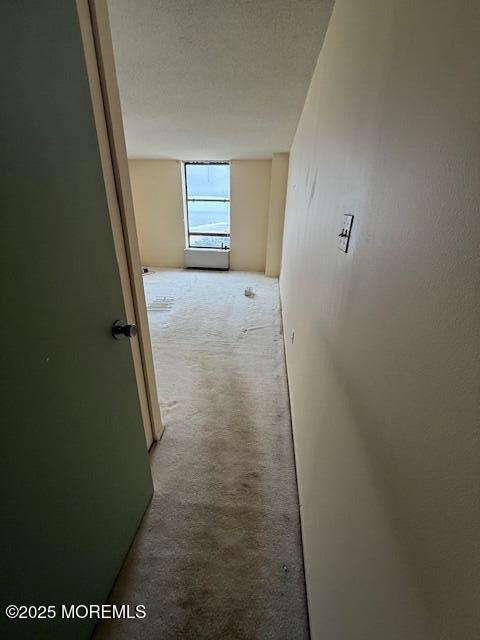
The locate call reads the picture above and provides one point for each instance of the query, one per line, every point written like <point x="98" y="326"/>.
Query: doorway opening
<point x="225" y="505"/>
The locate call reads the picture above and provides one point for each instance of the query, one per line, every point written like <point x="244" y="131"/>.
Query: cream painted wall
<point x="384" y="368"/>
<point x="249" y="203"/>
<point x="276" y="213"/>
<point x="159" y="212"/>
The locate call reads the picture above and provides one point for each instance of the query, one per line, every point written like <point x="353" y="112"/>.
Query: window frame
<point x="214" y="234"/>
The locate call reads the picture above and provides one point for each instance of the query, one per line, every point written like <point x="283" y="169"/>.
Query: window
<point x="207" y="187"/>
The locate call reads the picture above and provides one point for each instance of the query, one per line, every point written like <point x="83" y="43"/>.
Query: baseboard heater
<point x="206" y="258"/>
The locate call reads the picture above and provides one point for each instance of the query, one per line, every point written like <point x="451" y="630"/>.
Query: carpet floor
<point x="218" y="554"/>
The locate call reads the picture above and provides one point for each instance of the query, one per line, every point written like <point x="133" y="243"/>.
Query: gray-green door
<point x="75" y="472"/>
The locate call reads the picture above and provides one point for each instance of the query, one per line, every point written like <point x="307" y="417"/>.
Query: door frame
<point x="97" y="43"/>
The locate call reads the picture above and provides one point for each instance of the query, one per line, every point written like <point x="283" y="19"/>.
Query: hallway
<point x="218" y="554"/>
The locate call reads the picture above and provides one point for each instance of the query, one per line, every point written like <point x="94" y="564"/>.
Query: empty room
<point x="241" y="310"/>
<point x="208" y="159"/>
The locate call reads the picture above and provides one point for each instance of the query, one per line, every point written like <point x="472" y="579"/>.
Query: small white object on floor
<point x="249" y="292"/>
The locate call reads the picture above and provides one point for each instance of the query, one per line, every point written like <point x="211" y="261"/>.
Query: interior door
<point x="75" y="472"/>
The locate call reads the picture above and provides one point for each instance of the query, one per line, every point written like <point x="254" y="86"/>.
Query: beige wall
<point x="159" y="212"/>
<point x="276" y="212"/>
<point x="384" y="368"/>
<point x="249" y="201"/>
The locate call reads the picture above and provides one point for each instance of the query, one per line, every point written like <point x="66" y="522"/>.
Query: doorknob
<point x="122" y="330"/>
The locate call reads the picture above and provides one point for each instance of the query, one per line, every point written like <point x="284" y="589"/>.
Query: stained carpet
<point x="218" y="554"/>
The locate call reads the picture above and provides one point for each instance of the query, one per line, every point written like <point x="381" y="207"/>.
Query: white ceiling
<point x="214" y="79"/>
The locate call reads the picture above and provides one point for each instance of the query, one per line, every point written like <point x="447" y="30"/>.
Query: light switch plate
<point x="345" y="232"/>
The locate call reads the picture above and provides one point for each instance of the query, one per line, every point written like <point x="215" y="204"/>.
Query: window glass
<point x="208" y="180"/>
<point x="210" y="242"/>
<point x="208" y="205"/>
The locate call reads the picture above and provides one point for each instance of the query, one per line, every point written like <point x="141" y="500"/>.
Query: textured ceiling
<point x="214" y="79"/>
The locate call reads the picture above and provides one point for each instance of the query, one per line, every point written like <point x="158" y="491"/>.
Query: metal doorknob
<point x="122" y="330"/>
